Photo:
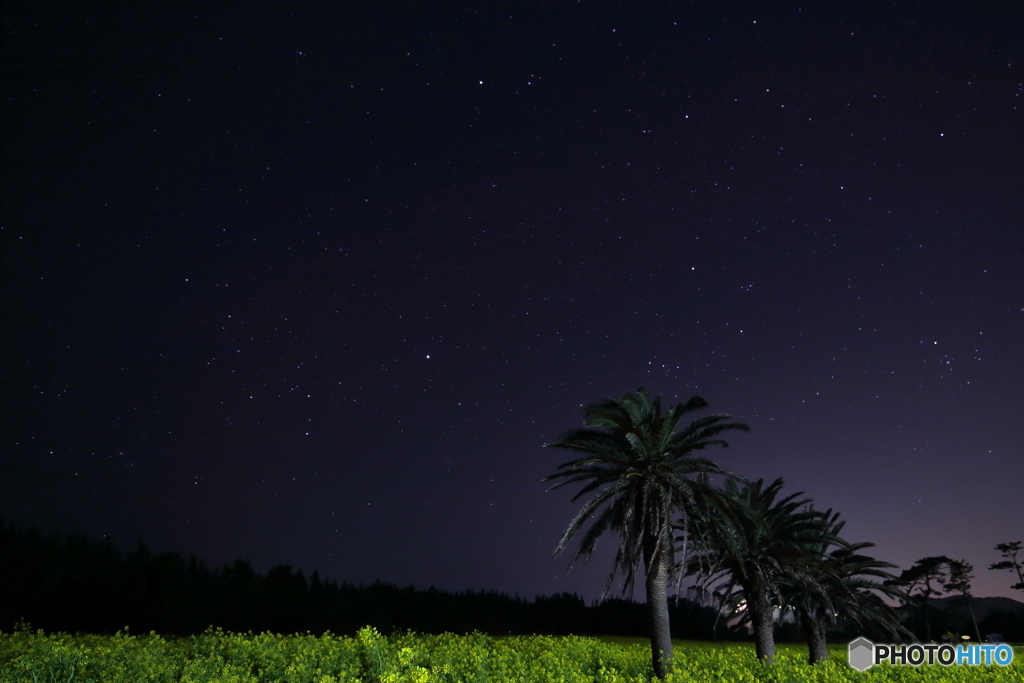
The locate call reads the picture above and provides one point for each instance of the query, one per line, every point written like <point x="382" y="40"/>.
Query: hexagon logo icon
<point x="861" y="654"/>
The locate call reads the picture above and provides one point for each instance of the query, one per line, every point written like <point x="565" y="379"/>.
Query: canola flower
<point x="369" y="657"/>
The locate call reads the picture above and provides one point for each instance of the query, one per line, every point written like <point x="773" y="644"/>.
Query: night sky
<point x="313" y="283"/>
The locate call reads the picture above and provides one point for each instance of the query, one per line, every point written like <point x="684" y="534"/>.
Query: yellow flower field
<point x="218" y="657"/>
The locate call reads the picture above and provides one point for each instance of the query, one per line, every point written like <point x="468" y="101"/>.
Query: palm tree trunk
<point x="762" y="619"/>
<point x="814" y="628"/>
<point x="657" y="604"/>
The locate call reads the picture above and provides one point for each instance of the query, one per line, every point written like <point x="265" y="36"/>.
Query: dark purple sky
<point x="314" y="286"/>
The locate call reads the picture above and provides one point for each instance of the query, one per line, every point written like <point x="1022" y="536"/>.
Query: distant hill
<point x="981" y="606"/>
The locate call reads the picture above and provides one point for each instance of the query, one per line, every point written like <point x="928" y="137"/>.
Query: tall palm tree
<point x="753" y="544"/>
<point x="841" y="585"/>
<point x="642" y="473"/>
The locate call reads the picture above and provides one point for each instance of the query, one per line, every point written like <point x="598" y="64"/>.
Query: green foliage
<point x="219" y="657"/>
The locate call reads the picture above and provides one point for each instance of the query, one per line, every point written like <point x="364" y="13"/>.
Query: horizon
<point x="307" y="573"/>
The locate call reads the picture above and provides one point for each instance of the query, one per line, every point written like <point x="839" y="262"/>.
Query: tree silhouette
<point x="924" y="580"/>
<point x="642" y="473"/>
<point x="842" y="585"/>
<point x="754" y="543"/>
<point x="73" y="583"/>
<point x="960" y="575"/>
<point x="1009" y="551"/>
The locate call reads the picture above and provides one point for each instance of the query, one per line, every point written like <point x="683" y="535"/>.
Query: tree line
<point x="77" y="584"/>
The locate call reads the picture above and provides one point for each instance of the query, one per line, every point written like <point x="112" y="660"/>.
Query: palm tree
<point x="753" y="544"/>
<point x="841" y="586"/>
<point x="642" y="473"/>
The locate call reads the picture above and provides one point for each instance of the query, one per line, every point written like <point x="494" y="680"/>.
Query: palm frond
<point x="636" y="473"/>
